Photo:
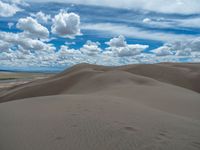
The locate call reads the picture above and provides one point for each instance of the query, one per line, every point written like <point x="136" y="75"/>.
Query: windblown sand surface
<point x="88" y="107"/>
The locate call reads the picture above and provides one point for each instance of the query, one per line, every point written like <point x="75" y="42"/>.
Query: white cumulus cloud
<point x="179" y="48"/>
<point x="8" y="10"/>
<point x="117" y="42"/>
<point x="185" y="52"/>
<point x="91" y="48"/>
<point x="192" y="44"/>
<point x="66" y="24"/>
<point x="16" y="40"/>
<point x="4" y="46"/>
<point x="41" y="17"/>
<point x="65" y="50"/>
<point x="163" y="51"/>
<point x="32" y="28"/>
<point x="119" y="47"/>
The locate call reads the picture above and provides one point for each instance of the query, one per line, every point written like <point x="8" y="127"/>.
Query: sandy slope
<point x="102" y="108"/>
<point x="184" y="75"/>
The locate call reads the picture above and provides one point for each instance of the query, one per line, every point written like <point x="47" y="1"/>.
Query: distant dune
<point x="89" y="107"/>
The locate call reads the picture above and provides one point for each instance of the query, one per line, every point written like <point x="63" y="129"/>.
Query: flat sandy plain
<point x="89" y="107"/>
<point x="12" y="79"/>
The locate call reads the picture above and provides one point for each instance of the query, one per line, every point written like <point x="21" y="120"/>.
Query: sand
<point x="87" y="107"/>
<point x="13" y="79"/>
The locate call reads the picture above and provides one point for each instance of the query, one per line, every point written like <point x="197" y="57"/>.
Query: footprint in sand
<point x="129" y="128"/>
<point x="58" y="138"/>
<point x="196" y="144"/>
<point x="162" y="136"/>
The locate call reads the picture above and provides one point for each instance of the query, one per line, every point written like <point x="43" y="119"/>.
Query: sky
<point x="50" y="35"/>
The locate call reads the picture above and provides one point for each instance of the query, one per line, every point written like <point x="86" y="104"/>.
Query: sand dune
<point x="183" y="75"/>
<point x="140" y="107"/>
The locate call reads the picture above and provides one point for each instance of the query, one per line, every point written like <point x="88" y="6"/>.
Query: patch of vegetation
<point x="8" y="79"/>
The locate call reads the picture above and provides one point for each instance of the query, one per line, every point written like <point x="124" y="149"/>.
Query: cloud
<point x="90" y="52"/>
<point x="8" y="10"/>
<point x="128" y="51"/>
<point x="161" y="23"/>
<point x="17" y="40"/>
<point x="41" y="17"/>
<point x="119" y="47"/>
<point x="5" y="56"/>
<point x="114" y="29"/>
<point x="10" y="25"/>
<point x="133" y="49"/>
<point x="179" y="48"/>
<point x="66" y="24"/>
<point x="91" y="48"/>
<point x="192" y="44"/>
<point x="70" y="43"/>
<point x="146" y="20"/>
<point x="4" y="46"/>
<point x="30" y="47"/>
<point x="65" y="50"/>
<point x="32" y="28"/>
<point x="172" y="23"/>
<point x="191" y="22"/>
<point x="18" y="2"/>
<point x="163" y="51"/>
<point x="162" y="6"/>
<point x="185" y="52"/>
<point x="117" y="42"/>
<point x="68" y="57"/>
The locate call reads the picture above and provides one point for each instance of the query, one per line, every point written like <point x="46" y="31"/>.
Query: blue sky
<point x="53" y="35"/>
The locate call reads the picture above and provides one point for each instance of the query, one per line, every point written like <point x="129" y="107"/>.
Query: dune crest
<point x="97" y="77"/>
